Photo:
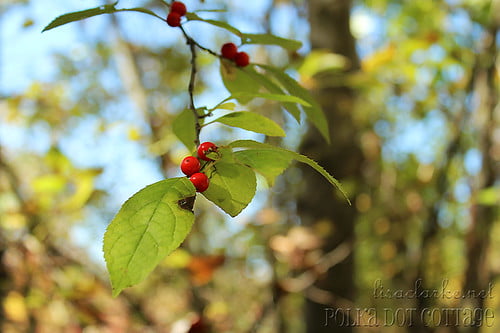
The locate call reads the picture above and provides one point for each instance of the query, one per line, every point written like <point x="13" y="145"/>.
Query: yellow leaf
<point x="134" y="134"/>
<point x="49" y="184"/>
<point x="319" y="61"/>
<point x="14" y="307"/>
<point x="379" y="58"/>
<point x="178" y="259"/>
<point x="14" y="221"/>
<point x="84" y="183"/>
<point x="57" y="160"/>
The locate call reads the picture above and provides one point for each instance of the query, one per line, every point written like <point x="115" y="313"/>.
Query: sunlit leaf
<point x="268" y="162"/>
<point x="232" y="187"/>
<point x="293" y="155"/>
<point x="321" y="60"/>
<point x="226" y="106"/>
<point x="238" y="81"/>
<point x="149" y="226"/>
<point x="184" y="128"/>
<point x="275" y="89"/>
<point x="80" y="15"/>
<point x="251" y="122"/>
<point x="314" y="112"/>
<point x="268" y="39"/>
<point x="273" y="97"/>
<point x="220" y="24"/>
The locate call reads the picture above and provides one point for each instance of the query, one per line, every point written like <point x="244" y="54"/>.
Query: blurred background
<point x="411" y="92"/>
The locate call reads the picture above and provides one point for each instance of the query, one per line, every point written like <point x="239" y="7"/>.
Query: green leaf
<point x="220" y="24"/>
<point x="80" y="15"/>
<point x="270" y="163"/>
<point x="184" y="127"/>
<point x="148" y="227"/>
<point x="232" y="187"/>
<point x="318" y="61"/>
<point x="274" y="89"/>
<point x="273" y="97"/>
<point x="489" y="196"/>
<point x="314" y="112"/>
<point x="268" y="39"/>
<point x="296" y="156"/>
<point x="237" y="80"/>
<point x="251" y="122"/>
<point x="225" y="106"/>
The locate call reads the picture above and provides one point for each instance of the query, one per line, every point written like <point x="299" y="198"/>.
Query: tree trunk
<point x="317" y="200"/>
<point x="477" y="276"/>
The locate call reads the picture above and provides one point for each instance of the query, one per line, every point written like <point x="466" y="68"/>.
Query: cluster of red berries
<point x="230" y="51"/>
<point x="177" y="10"/>
<point x="191" y="166"/>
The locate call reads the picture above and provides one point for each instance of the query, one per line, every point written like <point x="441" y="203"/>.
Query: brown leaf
<point x="202" y="268"/>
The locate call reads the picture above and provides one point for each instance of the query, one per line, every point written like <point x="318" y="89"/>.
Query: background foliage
<point x="85" y="122"/>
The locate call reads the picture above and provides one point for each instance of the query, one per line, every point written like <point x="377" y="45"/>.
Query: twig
<point x="198" y="45"/>
<point x="193" y="44"/>
<point x="192" y="47"/>
<point x="307" y="279"/>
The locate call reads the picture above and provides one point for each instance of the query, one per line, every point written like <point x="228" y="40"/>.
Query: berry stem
<point x="206" y="166"/>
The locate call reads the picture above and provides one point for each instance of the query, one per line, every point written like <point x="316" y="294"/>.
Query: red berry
<point x="229" y="50"/>
<point x="178" y="7"/>
<point x="174" y="19"/>
<point x="242" y="59"/>
<point x="200" y="181"/>
<point x="190" y="165"/>
<point x="204" y="148"/>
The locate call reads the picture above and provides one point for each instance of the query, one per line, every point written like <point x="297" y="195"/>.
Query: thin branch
<point x="201" y="47"/>
<point x="190" y="40"/>
<point x="192" y="47"/>
<point x="307" y="279"/>
<point x="193" y="44"/>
